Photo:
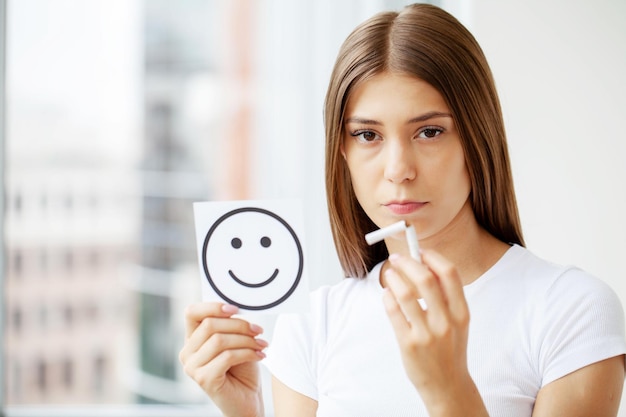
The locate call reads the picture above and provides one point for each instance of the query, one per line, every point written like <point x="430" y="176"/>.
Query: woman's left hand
<point x="433" y="341"/>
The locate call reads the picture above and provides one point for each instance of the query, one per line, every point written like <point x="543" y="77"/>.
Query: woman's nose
<point x="400" y="162"/>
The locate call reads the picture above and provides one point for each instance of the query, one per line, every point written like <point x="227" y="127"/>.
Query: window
<point x="99" y="375"/>
<point x="68" y="373"/>
<point x="17" y="320"/>
<point x="42" y="377"/>
<point x="17" y="264"/>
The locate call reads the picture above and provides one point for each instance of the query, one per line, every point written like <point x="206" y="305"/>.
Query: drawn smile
<point x="246" y="284"/>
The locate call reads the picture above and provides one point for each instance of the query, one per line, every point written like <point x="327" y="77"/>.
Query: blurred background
<point x="119" y="114"/>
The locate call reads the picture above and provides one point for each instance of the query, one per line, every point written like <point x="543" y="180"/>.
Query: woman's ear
<point x="343" y="152"/>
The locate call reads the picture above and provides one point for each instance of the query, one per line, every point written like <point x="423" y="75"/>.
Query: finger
<point x="426" y="282"/>
<point x="196" y="354"/>
<point x="195" y="313"/>
<point x="211" y="375"/>
<point x="450" y="282"/>
<point x="212" y="326"/>
<point x="405" y="296"/>
<point x="395" y="314"/>
<point x="219" y="343"/>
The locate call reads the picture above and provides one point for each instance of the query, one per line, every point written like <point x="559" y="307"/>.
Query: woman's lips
<point x="404" y="207"/>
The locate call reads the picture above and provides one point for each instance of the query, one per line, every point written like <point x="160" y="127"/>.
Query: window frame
<point x="132" y="410"/>
<point x="3" y="26"/>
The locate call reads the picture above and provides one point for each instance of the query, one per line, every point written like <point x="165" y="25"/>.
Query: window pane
<point x="109" y="104"/>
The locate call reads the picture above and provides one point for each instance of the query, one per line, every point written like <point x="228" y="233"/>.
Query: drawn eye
<point x="266" y="242"/>
<point x="236" y="243"/>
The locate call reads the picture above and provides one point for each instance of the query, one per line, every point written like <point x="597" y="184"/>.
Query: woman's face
<point x="405" y="156"/>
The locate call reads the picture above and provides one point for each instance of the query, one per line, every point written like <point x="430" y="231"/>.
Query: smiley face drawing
<point x="252" y="258"/>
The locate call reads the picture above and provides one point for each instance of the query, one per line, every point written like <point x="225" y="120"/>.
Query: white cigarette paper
<point x="378" y="235"/>
<point x="411" y="237"/>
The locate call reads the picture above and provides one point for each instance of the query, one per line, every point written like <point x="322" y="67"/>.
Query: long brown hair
<point x="426" y="42"/>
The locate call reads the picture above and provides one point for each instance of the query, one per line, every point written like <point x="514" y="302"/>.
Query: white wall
<point x="559" y="67"/>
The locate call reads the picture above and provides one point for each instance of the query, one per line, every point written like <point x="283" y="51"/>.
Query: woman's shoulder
<point x="556" y="281"/>
<point x="522" y="278"/>
<point x="522" y="263"/>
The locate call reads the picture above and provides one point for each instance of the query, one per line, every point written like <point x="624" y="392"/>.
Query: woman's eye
<point x="430" y="133"/>
<point x="365" y="136"/>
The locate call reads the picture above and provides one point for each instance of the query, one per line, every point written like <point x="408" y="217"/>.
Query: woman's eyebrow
<point x="421" y="118"/>
<point x="427" y="116"/>
<point x="362" y="121"/>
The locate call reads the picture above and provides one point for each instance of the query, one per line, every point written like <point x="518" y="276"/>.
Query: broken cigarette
<point x="409" y="232"/>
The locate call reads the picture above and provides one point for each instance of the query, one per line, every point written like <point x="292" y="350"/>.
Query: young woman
<point x="479" y="326"/>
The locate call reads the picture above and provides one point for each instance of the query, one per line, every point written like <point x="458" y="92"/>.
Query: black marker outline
<point x="287" y="226"/>
<point x="247" y="284"/>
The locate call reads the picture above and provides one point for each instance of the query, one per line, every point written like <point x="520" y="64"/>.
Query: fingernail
<point x="393" y="257"/>
<point x="256" y="329"/>
<point x="229" y="309"/>
<point x="262" y="343"/>
<point x="260" y="354"/>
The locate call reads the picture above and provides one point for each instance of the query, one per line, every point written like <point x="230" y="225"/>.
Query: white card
<point x="251" y="254"/>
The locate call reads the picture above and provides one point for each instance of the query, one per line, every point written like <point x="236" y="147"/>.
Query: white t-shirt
<point x="532" y="322"/>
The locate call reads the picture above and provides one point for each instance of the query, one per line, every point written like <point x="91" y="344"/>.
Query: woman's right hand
<point x="221" y="355"/>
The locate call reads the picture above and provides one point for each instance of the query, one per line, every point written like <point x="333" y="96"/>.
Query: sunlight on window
<point x="107" y="109"/>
